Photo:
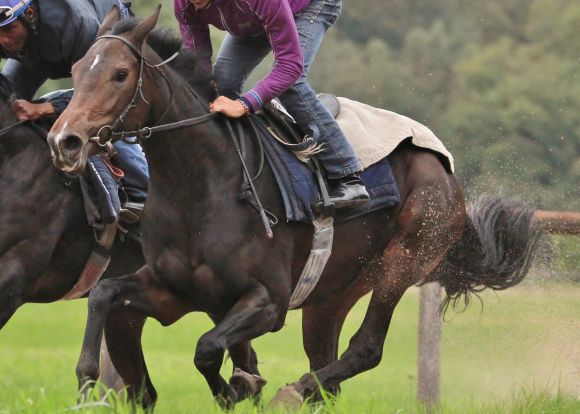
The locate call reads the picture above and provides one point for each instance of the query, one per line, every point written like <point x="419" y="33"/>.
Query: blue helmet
<point x="11" y="9"/>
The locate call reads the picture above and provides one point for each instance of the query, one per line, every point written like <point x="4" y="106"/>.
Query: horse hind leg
<point x="364" y="352"/>
<point x="321" y="326"/>
<point x="415" y="250"/>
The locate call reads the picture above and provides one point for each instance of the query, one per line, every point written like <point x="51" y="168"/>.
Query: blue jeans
<point x="238" y="56"/>
<point x="131" y="159"/>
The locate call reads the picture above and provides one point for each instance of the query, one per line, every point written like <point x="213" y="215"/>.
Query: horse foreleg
<point x="101" y="300"/>
<point x="246" y="380"/>
<point x="253" y="315"/>
<point x="109" y="376"/>
<point x="123" y="331"/>
<point x="12" y="284"/>
<point x="7" y="308"/>
<point x="10" y="296"/>
<point x="137" y="292"/>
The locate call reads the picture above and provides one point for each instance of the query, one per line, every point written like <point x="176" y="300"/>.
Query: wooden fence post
<point x="428" y="371"/>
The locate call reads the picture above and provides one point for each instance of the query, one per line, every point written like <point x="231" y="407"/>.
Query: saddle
<point x="291" y="154"/>
<point x="282" y="123"/>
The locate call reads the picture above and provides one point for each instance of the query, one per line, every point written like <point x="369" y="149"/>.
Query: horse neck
<point x="35" y="204"/>
<point x="200" y="159"/>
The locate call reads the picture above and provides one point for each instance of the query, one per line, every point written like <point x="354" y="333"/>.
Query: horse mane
<point x="165" y="43"/>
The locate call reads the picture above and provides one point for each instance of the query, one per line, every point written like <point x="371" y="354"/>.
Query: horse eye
<point x="121" y="75"/>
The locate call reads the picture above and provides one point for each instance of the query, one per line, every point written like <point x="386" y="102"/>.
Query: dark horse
<point x="45" y="239"/>
<point x="206" y="251"/>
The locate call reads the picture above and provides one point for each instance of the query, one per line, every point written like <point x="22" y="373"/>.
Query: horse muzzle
<point x="68" y="152"/>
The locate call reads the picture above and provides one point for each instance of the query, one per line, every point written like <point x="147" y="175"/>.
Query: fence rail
<point x="559" y="222"/>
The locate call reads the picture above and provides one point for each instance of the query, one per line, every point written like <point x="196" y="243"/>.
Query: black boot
<point x="348" y="191"/>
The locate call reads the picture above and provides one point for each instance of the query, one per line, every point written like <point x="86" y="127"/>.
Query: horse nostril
<point x="71" y="143"/>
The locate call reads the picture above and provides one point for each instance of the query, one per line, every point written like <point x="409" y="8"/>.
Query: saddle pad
<point x="374" y="133"/>
<point x="299" y="189"/>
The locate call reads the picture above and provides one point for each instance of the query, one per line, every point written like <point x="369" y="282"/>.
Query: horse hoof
<point x="246" y="384"/>
<point x="287" y="398"/>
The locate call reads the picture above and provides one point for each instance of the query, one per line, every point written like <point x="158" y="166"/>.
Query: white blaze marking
<point x="59" y="136"/>
<point x="97" y="58"/>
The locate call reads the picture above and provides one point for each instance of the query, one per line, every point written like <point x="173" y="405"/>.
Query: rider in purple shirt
<point x="293" y="31"/>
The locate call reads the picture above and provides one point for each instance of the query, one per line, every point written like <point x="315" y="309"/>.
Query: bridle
<point x="141" y="134"/>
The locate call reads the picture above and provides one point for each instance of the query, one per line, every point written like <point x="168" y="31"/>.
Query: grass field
<point x="520" y="353"/>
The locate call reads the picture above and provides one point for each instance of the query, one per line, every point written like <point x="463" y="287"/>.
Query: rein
<point x="146" y="132"/>
<point x="11" y="126"/>
<point x="32" y="125"/>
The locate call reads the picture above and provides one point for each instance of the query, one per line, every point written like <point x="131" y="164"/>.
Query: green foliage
<point x="497" y="80"/>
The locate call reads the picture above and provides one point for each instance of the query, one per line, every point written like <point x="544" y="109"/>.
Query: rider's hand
<point x="228" y="107"/>
<point x="28" y="111"/>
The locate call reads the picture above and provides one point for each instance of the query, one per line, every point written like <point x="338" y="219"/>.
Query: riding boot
<point x="348" y="191"/>
<point x="107" y="189"/>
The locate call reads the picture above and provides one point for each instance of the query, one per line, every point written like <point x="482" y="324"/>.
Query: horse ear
<point x="139" y="34"/>
<point x="109" y="21"/>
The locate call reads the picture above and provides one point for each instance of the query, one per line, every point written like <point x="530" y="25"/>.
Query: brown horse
<point x="45" y="239"/>
<point x="205" y="250"/>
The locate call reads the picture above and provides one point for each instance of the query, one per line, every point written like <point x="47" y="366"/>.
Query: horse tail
<point x="495" y="251"/>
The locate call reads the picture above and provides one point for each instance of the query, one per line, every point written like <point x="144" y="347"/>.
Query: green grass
<point x="519" y="354"/>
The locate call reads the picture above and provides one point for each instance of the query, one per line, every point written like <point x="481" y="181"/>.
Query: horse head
<point x="113" y="85"/>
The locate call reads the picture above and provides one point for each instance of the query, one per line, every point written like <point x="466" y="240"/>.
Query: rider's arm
<point x="280" y="27"/>
<point x="195" y="34"/>
<point x="25" y="81"/>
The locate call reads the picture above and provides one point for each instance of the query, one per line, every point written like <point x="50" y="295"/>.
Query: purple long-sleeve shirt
<point x="249" y="18"/>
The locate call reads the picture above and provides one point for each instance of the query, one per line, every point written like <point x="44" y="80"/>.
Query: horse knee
<point x="101" y="295"/>
<point x="87" y="370"/>
<point x="206" y="352"/>
<point x="373" y="358"/>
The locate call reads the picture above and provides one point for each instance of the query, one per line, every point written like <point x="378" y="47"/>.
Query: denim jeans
<point x="131" y="159"/>
<point x="238" y="56"/>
